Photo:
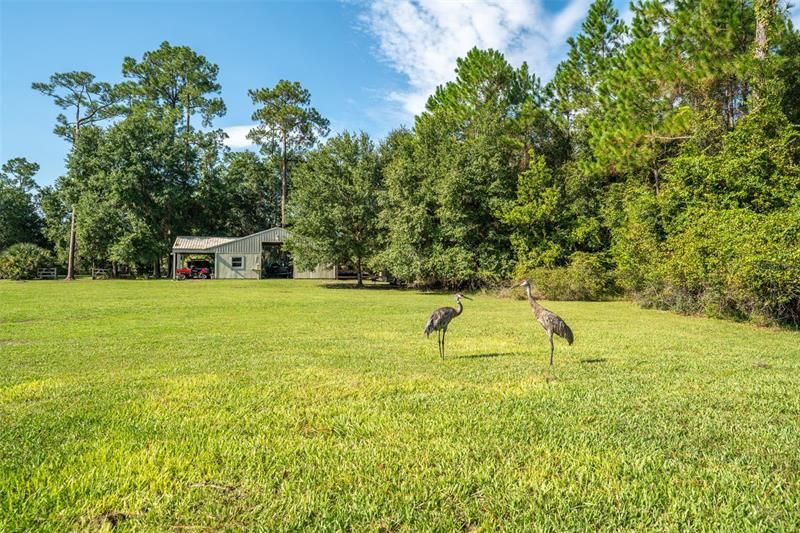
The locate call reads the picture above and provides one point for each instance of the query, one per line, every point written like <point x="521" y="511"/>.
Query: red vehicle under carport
<point x="198" y="269"/>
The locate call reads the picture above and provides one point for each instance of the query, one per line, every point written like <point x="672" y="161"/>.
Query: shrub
<point x="635" y="248"/>
<point x="750" y="263"/>
<point x="21" y="261"/>
<point x="586" y="278"/>
<point x="731" y="263"/>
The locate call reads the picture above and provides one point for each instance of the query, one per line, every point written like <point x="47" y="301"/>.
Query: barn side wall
<point x="251" y="266"/>
<point x="252" y="243"/>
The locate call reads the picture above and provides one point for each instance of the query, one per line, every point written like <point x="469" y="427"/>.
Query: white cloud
<point x="570" y="16"/>
<point x="421" y="39"/>
<point x="237" y="136"/>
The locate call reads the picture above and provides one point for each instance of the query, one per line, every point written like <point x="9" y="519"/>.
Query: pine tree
<point x="287" y="127"/>
<point x="591" y="53"/>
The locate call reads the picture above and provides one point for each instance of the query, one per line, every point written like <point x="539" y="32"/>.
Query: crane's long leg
<point x="444" y="333"/>
<point x="439" y="342"/>
<point x="550" y="334"/>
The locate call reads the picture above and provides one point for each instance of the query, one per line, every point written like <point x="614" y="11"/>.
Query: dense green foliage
<point x="450" y="181"/>
<point x="334" y="207"/>
<point x="20" y="220"/>
<point x="23" y="260"/>
<point x="241" y="196"/>
<point x="662" y="160"/>
<point x="586" y="277"/>
<point x="117" y="407"/>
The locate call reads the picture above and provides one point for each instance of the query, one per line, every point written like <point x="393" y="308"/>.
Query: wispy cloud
<point x="422" y="39"/>
<point x="569" y="17"/>
<point x="237" y="136"/>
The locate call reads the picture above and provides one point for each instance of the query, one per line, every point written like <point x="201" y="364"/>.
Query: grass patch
<point x="286" y="404"/>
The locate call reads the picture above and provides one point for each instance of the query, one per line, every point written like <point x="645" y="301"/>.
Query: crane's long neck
<point x="460" y="308"/>
<point x="529" y="293"/>
<point x="531" y="300"/>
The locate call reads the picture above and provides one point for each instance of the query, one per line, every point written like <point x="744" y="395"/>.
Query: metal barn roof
<point x="194" y="243"/>
<point x="247" y="244"/>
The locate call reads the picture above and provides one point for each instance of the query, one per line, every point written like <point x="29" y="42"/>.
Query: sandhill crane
<point x="550" y="321"/>
<point x="440" y="319"/>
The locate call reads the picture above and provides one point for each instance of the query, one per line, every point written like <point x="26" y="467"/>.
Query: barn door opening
<point x="275" y="262"/>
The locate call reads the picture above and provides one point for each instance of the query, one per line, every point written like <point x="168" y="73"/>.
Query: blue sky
<point x="369" y="64"/>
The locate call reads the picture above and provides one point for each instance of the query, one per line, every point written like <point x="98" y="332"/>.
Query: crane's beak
<point x="466" y="297"/>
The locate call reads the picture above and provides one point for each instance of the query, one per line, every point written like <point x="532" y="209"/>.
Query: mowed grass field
<point x="284" y="405"/>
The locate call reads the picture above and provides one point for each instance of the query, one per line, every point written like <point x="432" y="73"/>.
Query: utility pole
<point x="71" y="260"/>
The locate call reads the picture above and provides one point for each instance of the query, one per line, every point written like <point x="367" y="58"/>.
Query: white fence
<point x="47" y="273"/>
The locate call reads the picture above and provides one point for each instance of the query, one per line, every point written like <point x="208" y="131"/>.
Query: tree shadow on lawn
<point x="368" y="286"/>
<point x="383" y="286"/>
<point x="486" y="355"/>
<point x="594" y="360"/>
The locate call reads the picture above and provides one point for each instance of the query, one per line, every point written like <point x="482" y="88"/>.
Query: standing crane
<point x="440" y="319"/>
<point x="551" y="322"/>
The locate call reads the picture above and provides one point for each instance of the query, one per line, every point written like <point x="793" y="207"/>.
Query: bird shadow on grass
<point x="484" y="355"/>
<point x="594" y="360"/>
<point x="366" y="287"/>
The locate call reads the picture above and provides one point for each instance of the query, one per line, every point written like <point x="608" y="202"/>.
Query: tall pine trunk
<point x="764" y="12"/>
<point x="71" y="257"/>
<point x="284" y="179"/>
<point x="187" y="148"/>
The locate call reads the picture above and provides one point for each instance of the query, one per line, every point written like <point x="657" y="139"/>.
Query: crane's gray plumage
<point x="551" y="322"/>
<point x="440" y="320"/>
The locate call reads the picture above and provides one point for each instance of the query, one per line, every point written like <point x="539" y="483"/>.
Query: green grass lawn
<point x="286" y="404"/>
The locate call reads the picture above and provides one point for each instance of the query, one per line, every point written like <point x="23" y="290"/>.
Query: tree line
<point x="661" y="162"/>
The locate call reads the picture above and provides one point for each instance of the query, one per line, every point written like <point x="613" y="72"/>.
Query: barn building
<point x="256" y="256"/>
